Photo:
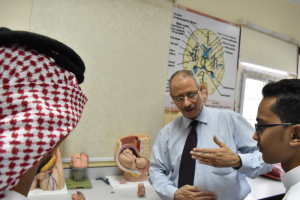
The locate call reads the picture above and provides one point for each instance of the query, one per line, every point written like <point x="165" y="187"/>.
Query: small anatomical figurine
<point x="51" y="176"/>
<point x="123" y="181"/>
<point x="78" y="196"/>
<point x="141" y="190"/>
<point x="79" y="161"/>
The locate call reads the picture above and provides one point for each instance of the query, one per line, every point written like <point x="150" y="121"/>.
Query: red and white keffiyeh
<point x="40" y="103"/>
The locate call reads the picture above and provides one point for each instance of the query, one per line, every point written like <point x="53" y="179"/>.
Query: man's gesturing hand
<point x="189" y="192"/>
<point x="221" y="157"/>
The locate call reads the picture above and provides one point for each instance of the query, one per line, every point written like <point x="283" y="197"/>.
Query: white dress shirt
<point x="291" y="181"/>
<point x="225" y="182"/>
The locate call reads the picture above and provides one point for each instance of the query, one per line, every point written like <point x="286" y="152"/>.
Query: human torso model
<point x="51" y="176"/>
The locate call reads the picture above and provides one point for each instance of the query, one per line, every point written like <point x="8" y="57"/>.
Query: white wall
<point x="15" y="14"/>
<point x="259" y="48"/>
<point x="125" y="47"/>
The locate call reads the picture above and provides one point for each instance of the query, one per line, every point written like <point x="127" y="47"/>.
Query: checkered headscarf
<point x="40" y="103"/>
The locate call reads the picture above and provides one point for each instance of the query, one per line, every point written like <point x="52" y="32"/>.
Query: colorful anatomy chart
<point x="210" y="48"/>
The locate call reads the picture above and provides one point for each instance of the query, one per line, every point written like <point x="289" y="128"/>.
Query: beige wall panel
<point x="125" y="47"/>
<point x="280" y="16"/>
<point x="259" y="48"/>
<point x="15" y="14"/>
<point x="169" y="116"/>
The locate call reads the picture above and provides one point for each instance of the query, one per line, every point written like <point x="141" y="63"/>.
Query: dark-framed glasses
<point x="260" y="127"/>
<point x="190" y="96"/>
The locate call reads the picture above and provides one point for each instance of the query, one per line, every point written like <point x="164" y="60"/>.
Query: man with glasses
<point x="278" y="129"/>
<point x="220" y="171"/>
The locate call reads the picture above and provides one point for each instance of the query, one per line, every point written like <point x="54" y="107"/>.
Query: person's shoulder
<point x="168" y="130"/>
<point x="222" y="112"/>
<point x="172" y="124"/>
<point x="225" y="115"/>
<point x="293" y="193"/>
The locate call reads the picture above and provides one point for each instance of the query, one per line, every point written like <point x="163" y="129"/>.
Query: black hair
<point x="287" y="105"/>
<point x="63" y="55"/>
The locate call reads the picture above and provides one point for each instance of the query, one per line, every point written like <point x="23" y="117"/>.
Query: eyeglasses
<point x="259" y="127"/>
<point x="190" y="96"/>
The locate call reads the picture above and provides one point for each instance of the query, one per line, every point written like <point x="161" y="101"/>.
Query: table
<point x="261" y="187"/>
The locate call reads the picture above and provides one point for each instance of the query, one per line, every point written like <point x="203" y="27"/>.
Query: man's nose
<point x="186" y="102"/>
<point x="255" y="136"/>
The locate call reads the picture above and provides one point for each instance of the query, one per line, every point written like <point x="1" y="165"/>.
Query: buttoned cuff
<point x="236" y="168"/>
<point x="247" y="162"/>
<point x="170" y="192"/>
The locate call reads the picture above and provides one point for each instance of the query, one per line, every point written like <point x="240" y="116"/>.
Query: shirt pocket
<point x="222" y="171"/>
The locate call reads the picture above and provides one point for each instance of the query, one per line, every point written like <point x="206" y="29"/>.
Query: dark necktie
<point x="187" y="164"/>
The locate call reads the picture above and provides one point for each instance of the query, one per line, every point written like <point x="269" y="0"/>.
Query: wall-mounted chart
<point x="209" y="47"/>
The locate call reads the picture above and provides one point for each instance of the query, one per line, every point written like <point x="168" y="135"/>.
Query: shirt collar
<point x="202" y="117"/>
<point x="291" y="178"/>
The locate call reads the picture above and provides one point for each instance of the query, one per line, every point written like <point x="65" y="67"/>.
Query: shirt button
<point x="199" y="172"/>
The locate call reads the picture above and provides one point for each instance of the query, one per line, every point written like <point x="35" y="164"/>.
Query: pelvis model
<point x="132" y="155"/>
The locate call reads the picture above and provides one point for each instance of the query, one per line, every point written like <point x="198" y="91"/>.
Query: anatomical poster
<point x="210" y="48"/>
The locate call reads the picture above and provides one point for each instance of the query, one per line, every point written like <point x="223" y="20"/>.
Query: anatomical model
<point x="78" y="196"/>
<point x="132" y="155"/>
<point x="79" y="161"/>
<point x="51" y="175"/>
<point x="141" y="190"/>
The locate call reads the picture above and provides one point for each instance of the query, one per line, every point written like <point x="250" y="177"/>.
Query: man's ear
<point x="201" y="89"/>
<point x="295" y="136"/>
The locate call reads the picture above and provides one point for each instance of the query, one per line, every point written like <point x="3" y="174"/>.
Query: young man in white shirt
<point x="278" y="131"/>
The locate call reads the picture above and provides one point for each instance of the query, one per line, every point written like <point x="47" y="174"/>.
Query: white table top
<point x="103" y="191"/>
<point x="261" y="187"/>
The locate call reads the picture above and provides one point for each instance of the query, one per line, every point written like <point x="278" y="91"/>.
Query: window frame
<point x="242" y="98"/>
